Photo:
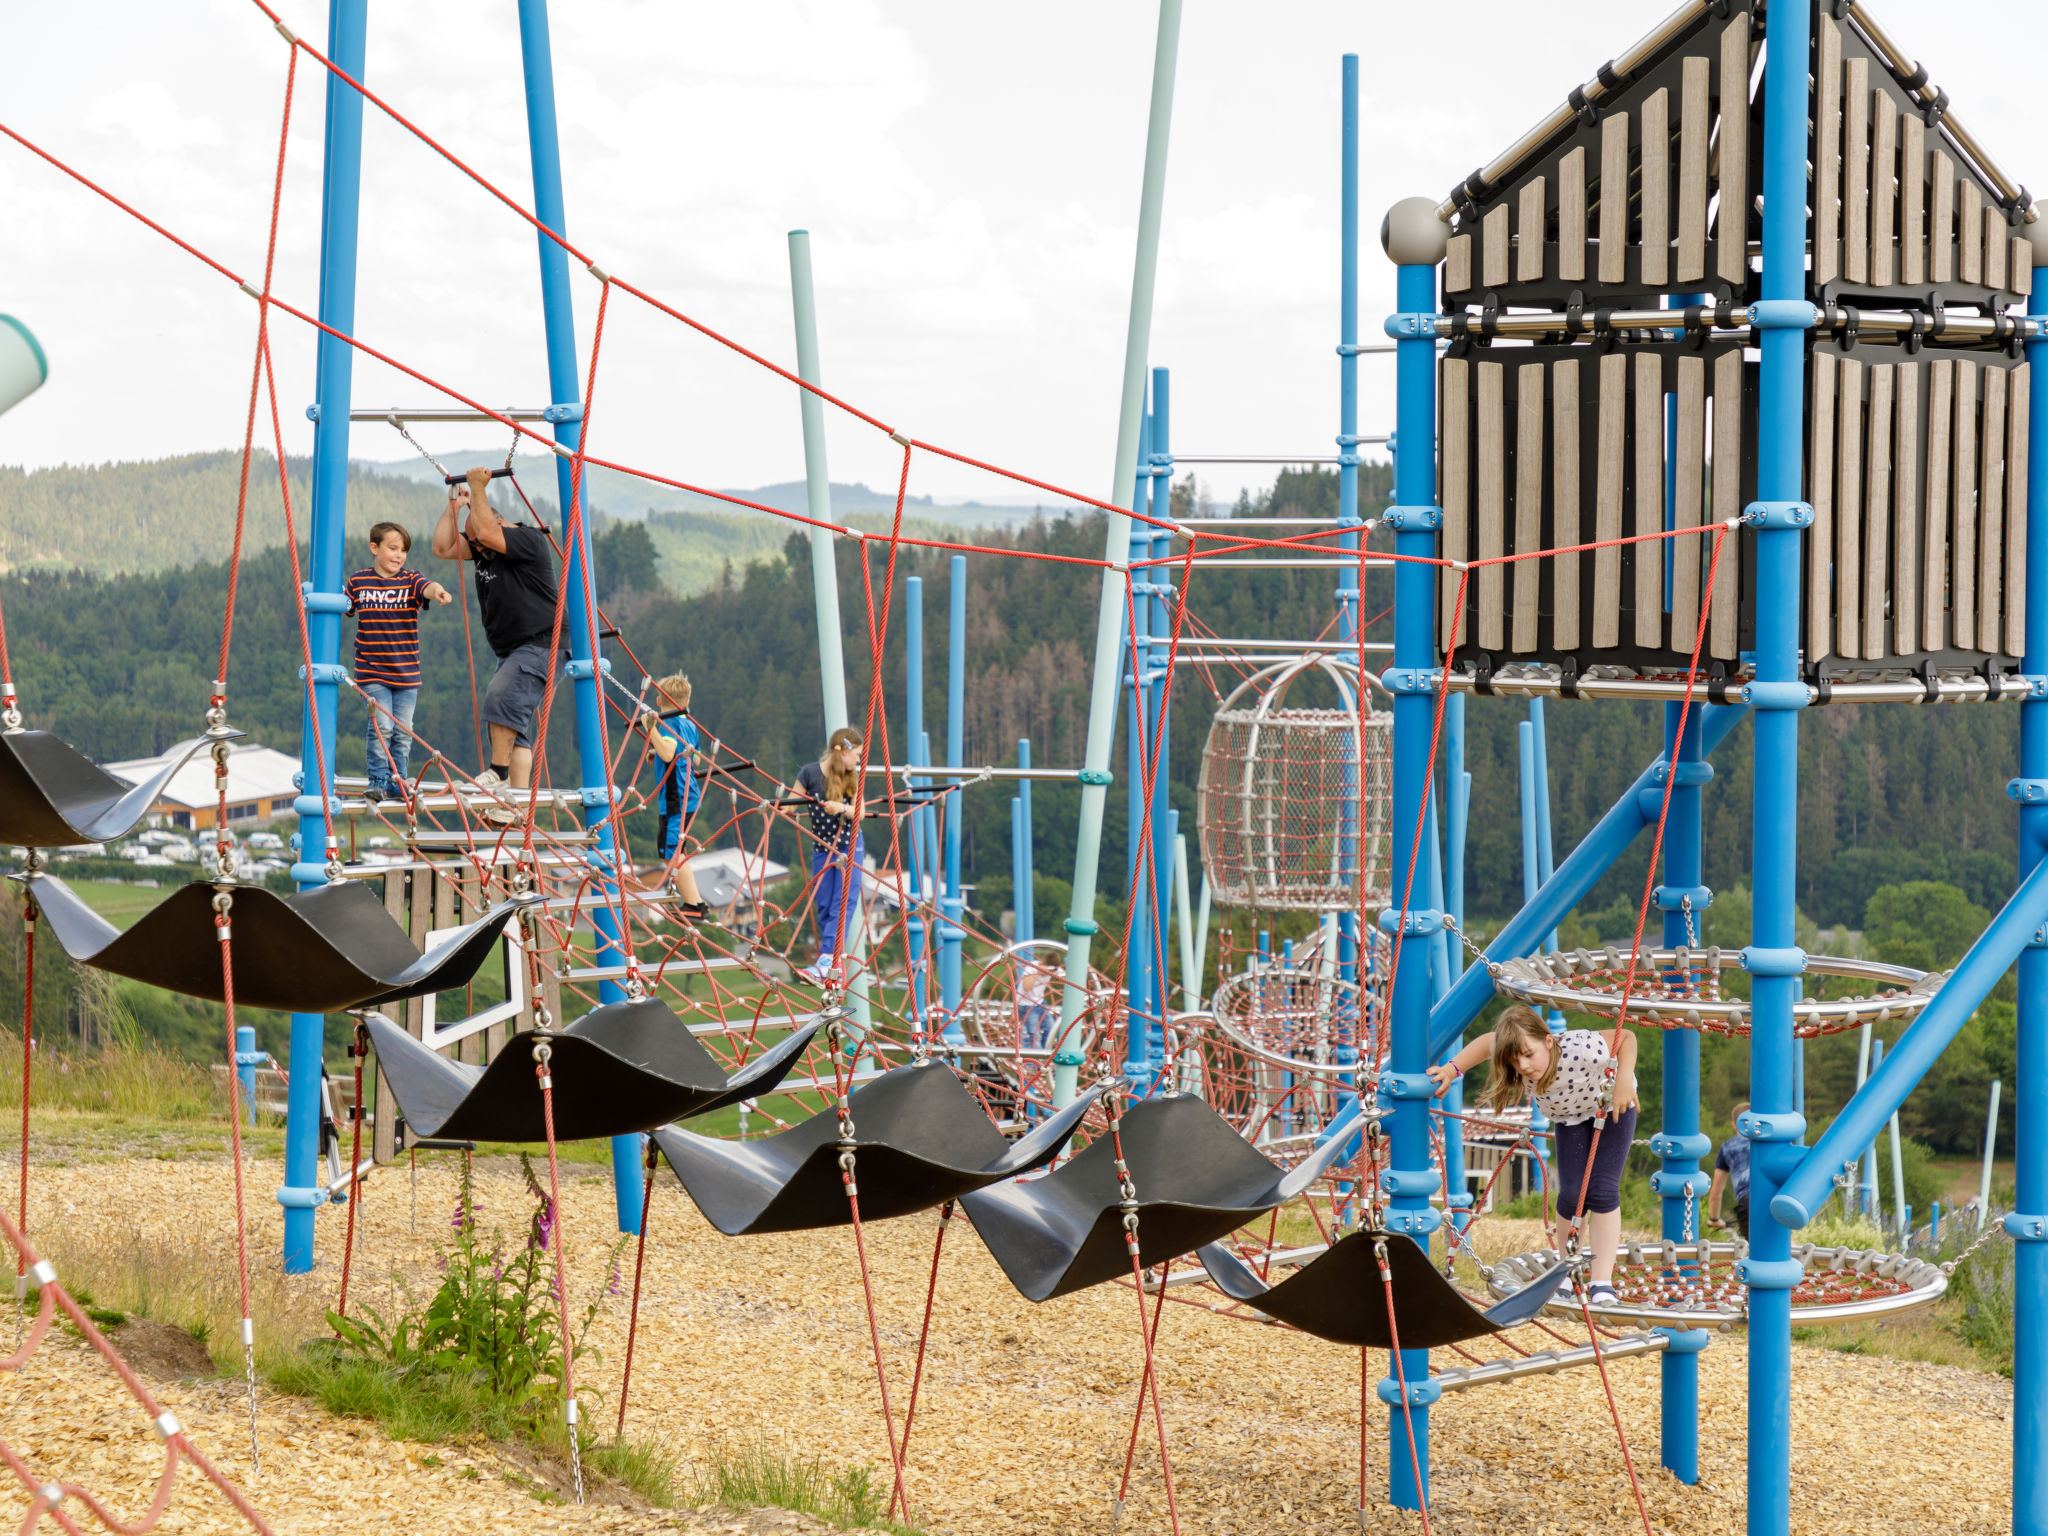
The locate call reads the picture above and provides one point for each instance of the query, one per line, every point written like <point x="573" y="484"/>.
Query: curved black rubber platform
<point x="318" y="951"/>
<point x="1197" y="1180"/>
<point x="53" y="796"/>
<point x="1340" y="1296"/>
<point x="920" y="1139"/>
<point x="622" y="1067"/>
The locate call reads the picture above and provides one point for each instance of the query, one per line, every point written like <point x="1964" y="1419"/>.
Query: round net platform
<point x="1294" y="804"/>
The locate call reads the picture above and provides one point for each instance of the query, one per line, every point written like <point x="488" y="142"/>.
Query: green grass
<point x="748" y="1474"/>
<point x="121" y="903"/>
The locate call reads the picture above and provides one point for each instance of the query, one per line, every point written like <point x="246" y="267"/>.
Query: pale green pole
<point x="1095" y="774"/>
<point x="824" y="563"/>
<point x="1190" y="977"/>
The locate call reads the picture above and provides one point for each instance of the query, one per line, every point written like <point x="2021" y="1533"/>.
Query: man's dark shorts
<point x="512" y="699"/>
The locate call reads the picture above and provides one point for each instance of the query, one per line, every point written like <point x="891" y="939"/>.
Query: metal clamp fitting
<point x="578" y="670"/>
<point x="1778" y="515"/>
<point x="1697" y="1145"/>
<point x="1685" y="1341"/>
<point x="2028" y="791"/>
<point x="313" y="805"/>
<point x="1068" y="1059"/>
<point x="598" y="794"/>
<point x="326" y="672"/>
<point x="1413" y="326"/>
<point x="1783" y="315"/>
<point x="1672" y="1186"/>
<point x="1411" y="679"/>
<point x="1767" y="695"/>
<point x="1418" y="1183"/>
<point x="1690" y="772"/>
<point x="1769" y="1274"/>
<point x="1673" y="898"/>
<point x="1407" y="1085"/>
<point x="1412" y="519"/>
<point x="1774" y="962"/>
<point x="1420" y="1393"/>
<point x="323" y="602"/>
<point x="561" y="413"/>
<point x="166" y="1425"/>
<point x="302" y="1199"/>
<point x="1422" y="921"/>
<point x="2026" y="1229"/>
<point x="1096" y="776"/>
<point x="1081" y="926"/>
<point x="1784" y="1125"/>
<point x="1415" y="1224"/>
<point x="309" y="874"/>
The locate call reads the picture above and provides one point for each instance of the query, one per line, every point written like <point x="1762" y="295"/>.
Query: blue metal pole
<point x="1681" y="1144"/>
<point x="1545" y="849"/>
<point x="953" y="905"/>
<point x="1532" y="882"/>
<point x="1415" y="517"/>
<point x="559" y="317"/>
<point x="1027" y="914"/>
<point x="247" y="1058"/>
<point x="1137" y="963"/>
<point x="1610" y="837"/>
<point x="1457" y="807"/>
<point x="2030" y="1088"/>
<point x="334" y="363"/>
<point x="1773" y="959"/>
<point x="1165" y="826"/>
<point x="913" y="732"/>
<point x="1349" y="597"/>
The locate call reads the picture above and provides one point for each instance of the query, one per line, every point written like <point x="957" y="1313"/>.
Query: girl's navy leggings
<point x="1603" y="1192"/>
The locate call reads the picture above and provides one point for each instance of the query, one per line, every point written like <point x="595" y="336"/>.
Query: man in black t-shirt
<point x="515" y="594"/>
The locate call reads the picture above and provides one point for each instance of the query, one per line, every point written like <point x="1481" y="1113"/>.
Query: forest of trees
<point x="119" y="665"/>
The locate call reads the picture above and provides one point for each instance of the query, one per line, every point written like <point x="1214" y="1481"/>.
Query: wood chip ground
<point x="1024" y="1411"/>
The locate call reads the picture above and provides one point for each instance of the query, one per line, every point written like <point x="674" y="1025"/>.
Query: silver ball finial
<point x="2036" y="235"/>
<point x="1412" y="235"/>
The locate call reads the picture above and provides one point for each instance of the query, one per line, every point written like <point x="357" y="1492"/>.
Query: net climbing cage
<point x="1294" y="803"/>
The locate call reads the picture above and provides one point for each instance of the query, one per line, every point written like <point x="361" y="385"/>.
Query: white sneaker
<point x="488" y="782"/>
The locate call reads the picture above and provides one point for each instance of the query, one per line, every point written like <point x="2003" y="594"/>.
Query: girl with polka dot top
<point x="1579" y="1086"/>
<point x="832" y="785"/>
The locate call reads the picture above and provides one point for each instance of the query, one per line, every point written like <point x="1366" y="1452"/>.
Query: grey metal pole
<point x="1990" y="1146"/>
<point x="1095" y="774"/>
<point x="824" y="569"/>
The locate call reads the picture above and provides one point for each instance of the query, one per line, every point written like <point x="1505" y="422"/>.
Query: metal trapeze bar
<point x="947" y="771"/>
<point x="1970" y="688"/>
<point x="1545" y="1361"/>
<point x="455" y="413"/>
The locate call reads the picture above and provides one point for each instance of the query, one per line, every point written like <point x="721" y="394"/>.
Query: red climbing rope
<point x="358" y="1049"/>
<point x="28" y="1058"/>
<point x="639" y="1263"/>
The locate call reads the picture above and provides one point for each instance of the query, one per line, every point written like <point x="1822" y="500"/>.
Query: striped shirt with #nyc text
<point x="387" y="614"/>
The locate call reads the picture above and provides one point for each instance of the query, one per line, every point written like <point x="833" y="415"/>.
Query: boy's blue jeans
<point x="388" y="742"/>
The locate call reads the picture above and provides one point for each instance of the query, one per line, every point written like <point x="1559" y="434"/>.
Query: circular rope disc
<point x="1300" y="1019"/>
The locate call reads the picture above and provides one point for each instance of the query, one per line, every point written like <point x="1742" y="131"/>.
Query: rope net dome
<point x="1294" y="804"/>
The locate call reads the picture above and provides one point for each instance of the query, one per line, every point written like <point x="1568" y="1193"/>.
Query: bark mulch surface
<point x="1024" y="1411"/>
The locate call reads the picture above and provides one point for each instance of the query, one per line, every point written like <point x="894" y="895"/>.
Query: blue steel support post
<point x="1415" y="243"/>
<point x="1773" y="959"/>
<point x="2030" y="1093"/>
<point x="1545" y="848"/>
<point x="1532" y="882"/>
<point x="1027" y="913"/>
<point x="918" y="884"/>
<point x="559" y="317"/>
<point x="1137" y="963"/>
<point x="1165" y="826"/>
<point x="953" y="905"/>
<point x="1350" y="610"/>
<point x="1681" y="1146"/>
<point x="334" y="360"/>
<point x="1458" y="1199"/>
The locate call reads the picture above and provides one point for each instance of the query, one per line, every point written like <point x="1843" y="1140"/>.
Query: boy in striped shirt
<point x="385" y="599"/>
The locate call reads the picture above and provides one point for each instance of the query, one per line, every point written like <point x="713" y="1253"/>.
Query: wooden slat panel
<point x="1941" y="221"/>
<point x="1493" y="259"/>
<point x="1994" y="248"/>
<point x="1912" y="200"/>
<point x="1877" y="481"/>
<point x="1827" y="152"/>
<point x="1571" y="216"/>
<point x="1884" y="190"/>
<point x="2022" y="277"/>
<point x="1453" y="477"/>
<point x="1693" y="129"/>
<point x="1490" y="434"/>
<point x="1732" y="232"/>
<point x="1689" y="462"/>
<point x="1941" y="396"/>
<point x="1856" y="171"/>
<point x="1458" y="264"/>
<point x="1724" y="627"/>
<point x="1614" y="197"/>
<point x="1529" y="233"/>
<point x="1962" y="594"/>
<point x="1906" y="461"/>
<point x="2016" y="426"/>
<point x="1991" y="509"/>
<point x="1970" y="233"/>
<point x="1528" y="500"/>
<point x="1611" y="439"/>
<point x="1564" y="504"/>
<point x="1849" y="507"/>
<point x="1649" y="558"/>
<point x="1820" y="494"/>
<point x="1656" y="189"/>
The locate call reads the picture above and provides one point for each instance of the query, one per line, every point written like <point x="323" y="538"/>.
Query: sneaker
<point x="819" y="969"/>
<point x="1602" y="1296"/>
<point x="488" y="782"/>
<point x="495" y="814"/>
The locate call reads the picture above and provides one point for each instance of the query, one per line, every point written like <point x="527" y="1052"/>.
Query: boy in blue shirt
<point x="1731" y="1170"/>
<point x="674" y="744"/>
<point x="385" y="599"/>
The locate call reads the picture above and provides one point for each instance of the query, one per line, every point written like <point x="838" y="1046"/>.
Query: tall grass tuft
<point x="128" y="1077"/>
<point x="748" y="1474"/>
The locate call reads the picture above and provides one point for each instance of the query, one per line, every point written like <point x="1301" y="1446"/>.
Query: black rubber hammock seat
<point x="53" y="796"/>
<point x="1341" y="1296"/>
<point x="920" y="1139"/>
<point x="623" y="1067"/>
<point x="1196" y="1178"/>
<point x="319" y="951"/>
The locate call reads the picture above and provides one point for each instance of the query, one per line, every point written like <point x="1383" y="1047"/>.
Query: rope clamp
<point x="598" y="272"/>
<point x="50" y="1494"/>
<point x="250" y="289"/>
<point x="287" y="34"/>
<point x="43" y="1272"/>
<point x="166" y="1425"/>
<point x="898" y="437"/>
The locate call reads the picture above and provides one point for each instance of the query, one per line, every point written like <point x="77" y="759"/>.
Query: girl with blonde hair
<point x="1579" y="1086"/>
<point x="832" y="785"/>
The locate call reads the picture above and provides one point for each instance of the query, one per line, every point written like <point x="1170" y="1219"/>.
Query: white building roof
<point x="254" y="773"/>
<point x="746" y="869"/>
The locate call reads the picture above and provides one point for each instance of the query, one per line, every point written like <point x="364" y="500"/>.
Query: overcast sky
<point x="969" y="174"/>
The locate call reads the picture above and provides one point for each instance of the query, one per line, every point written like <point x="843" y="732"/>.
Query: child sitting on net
<point x="672" y="738"/>
<point x="1568" y="1076"/>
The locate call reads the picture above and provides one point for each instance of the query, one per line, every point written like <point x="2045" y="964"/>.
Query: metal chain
<point x="1477" y="950"/>
<point x="399" y="423"/>
<point x="1692" y="938"/>
<point x="512" y="450"/>
<point x="1985" y="1234"/>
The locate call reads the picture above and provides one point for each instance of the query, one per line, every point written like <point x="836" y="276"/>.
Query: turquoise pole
<point x="919" y="860"/>
<point x="953" y="904"/>
<point x="1026" y="895"/>
<point x="334" y="364"/>
<point x="818" y="484"/>
<point x="1109" y="628"/>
